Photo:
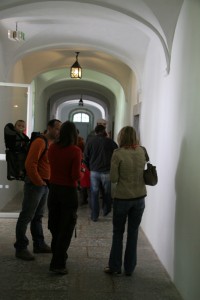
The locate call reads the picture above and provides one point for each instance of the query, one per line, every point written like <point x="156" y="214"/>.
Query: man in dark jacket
<point x="97" y="155"/>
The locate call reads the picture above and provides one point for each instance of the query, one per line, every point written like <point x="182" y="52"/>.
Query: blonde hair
<point x="127" y="137"/>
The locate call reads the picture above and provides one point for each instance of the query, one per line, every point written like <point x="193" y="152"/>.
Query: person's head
<point x="100" y="129"/>
<point x="102" y="122"/>
<point x="53" y="129"/>
<point x="20" y="126"/>
<point x="127" y="137"/>
<point x="68" y="134"/>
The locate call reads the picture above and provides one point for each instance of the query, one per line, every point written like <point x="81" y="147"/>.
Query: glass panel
<point x="77" y="117"/>
<point x="13" y="106"/>
<point x="81" y="117"/>
<point x="85" y="118"/>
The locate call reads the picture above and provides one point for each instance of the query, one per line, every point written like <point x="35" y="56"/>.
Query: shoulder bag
<point x="150" y="173"/>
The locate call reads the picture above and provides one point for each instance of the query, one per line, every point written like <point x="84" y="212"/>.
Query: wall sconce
<point x="16" y="36"/>
<point x="80" y="103"/>
<point x="76" y="70"/>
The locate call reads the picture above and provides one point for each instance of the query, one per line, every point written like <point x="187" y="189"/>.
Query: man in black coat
<point x="97" y="155"/>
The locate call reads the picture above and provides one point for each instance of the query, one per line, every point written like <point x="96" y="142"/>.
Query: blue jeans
<point x="33" y="207"/>
<point x="100" y="180"/>
<point x="123" y="209"/>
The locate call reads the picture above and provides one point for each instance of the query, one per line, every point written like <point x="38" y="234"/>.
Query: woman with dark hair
<point x="65" y="162"/>
<point x="127" y="166"/>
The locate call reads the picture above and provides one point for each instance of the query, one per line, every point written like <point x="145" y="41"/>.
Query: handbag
<point x="150" y="173"/>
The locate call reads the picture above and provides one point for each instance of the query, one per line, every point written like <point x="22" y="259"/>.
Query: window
<point x="81" y="117"/>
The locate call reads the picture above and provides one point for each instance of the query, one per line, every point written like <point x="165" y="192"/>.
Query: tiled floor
<point x="88" y="255"/>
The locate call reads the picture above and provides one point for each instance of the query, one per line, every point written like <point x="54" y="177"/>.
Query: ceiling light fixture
<point x="80" y="103"/>
<point x="16" y="35"/>
<point x="76" y="70"/>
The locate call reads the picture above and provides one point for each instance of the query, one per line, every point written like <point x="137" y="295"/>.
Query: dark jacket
<point x="15" y="141"/>
<point x="98" y="152"/>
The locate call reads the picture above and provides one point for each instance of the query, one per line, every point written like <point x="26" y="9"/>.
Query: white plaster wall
<point x="120" y="117"/>
<point x="40" y="107"/>
<point x="170" y="129"/>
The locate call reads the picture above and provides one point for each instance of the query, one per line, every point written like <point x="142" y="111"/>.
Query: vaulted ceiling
<point x="111" y="35"/>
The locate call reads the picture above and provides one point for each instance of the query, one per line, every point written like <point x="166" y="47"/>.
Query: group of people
<point x="54" y="176"/>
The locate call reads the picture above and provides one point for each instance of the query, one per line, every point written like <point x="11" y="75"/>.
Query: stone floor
<point x="88" y="255"/>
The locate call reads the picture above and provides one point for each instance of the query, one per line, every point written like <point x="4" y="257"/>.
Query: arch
<point x="91" y="116"/>
<point x="78" y="109"/>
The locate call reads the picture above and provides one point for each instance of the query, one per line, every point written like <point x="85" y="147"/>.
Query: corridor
<point x="88" y="255"/>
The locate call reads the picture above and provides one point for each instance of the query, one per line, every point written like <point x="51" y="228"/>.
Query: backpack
<point x="35" y="135"/>
<point x="17" y="148"/>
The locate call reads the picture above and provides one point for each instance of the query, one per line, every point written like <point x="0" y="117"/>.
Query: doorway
<point x="83" y="122"/>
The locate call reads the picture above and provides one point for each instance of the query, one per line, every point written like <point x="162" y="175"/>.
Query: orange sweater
<point x="37" y="163"/>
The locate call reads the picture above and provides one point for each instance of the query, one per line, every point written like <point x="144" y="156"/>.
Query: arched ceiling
<point x="111" y="35"/>
<point x="119" y="28"/>
<point x="93" y="92"/>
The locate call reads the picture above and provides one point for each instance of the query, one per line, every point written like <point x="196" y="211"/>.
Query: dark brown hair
<point x="68" y="134"/>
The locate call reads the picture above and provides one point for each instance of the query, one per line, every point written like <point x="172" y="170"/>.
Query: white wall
<point x="40" y="106"/>
<point x="170" y="129"/>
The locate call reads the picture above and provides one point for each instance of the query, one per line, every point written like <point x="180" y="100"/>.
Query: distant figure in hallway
<point x="16" y="142"/>
<point x="65" y="161"/>
<point x="127" y="166"/>
<point x="35" y="194"/>
<point x="85" y="185"/>
<point x="102" y="122"/>
<point x="97" y="156"/>
<point x="80" y="141"/>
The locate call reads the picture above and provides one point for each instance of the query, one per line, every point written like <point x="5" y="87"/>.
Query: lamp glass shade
<point x="76" y="70"/>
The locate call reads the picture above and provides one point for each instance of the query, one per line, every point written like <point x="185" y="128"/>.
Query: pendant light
<point x="76" y="70"/>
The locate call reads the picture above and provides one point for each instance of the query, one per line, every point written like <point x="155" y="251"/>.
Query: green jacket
<point x="127" y="166"/>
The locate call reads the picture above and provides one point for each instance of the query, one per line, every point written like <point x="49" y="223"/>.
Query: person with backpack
<point x="17" y="143"/>
<point x="35" y="194"/>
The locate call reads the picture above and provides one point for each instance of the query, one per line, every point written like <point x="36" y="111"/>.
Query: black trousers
<point x="62" y="206"/>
